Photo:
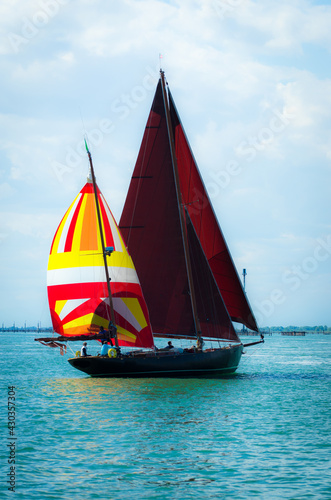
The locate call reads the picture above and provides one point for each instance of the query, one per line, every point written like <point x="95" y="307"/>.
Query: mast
<point x="112" y="314"/>
<point x="180" y="209"/>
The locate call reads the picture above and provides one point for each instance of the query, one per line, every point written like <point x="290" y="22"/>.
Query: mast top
<point x="89" y="176"/>
<point x="160" y="57"/>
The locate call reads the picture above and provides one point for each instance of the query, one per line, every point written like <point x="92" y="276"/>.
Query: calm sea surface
<point x="263" y="434"/>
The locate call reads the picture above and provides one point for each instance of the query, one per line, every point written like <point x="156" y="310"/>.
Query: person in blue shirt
<point x="103" y="332"/>
<point x="104" y="349"/>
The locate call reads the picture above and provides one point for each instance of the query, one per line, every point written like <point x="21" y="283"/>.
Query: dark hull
<point x="214" y="362"/>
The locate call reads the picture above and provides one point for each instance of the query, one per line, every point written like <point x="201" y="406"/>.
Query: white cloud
<point x="286" y="25"/>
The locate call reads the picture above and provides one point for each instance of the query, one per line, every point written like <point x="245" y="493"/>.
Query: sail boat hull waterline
<point x="217" y="362"/>
<point x="166" y="268"/>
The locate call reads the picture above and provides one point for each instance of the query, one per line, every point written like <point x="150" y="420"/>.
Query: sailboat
<point x="164" y="271"/>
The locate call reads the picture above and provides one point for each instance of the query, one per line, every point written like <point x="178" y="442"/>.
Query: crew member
<point x="102" y="331"/>
<point x="113" y="334"/>
<point x="83" y="351"/>
<point x="104" y="348"/>
<point x="200" y="343"/>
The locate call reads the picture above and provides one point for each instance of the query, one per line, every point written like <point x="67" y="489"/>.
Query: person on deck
<point x="104" y="348"/>
<point x="169" y="346"/>
<point x="112" y="334"/>
<point x="106" y="335"/>
<point x="103" y="332"/>
<point x="200" y="343"/>
<point x="83" y="351"/>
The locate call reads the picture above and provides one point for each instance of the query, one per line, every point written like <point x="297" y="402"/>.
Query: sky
<point x="251" y="82"/>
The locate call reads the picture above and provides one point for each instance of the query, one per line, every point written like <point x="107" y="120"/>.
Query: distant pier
<point x="294" y="334"/>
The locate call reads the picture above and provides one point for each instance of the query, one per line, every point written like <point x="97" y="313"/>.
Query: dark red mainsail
<point x="150" y="225"/>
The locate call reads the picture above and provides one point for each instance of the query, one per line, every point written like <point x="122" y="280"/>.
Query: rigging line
<point x="191" y="203"/>
<point x="71" y="349"/>
<point x="249" y="355"/>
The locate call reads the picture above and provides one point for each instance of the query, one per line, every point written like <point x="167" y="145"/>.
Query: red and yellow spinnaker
<point x="76" y="279"/>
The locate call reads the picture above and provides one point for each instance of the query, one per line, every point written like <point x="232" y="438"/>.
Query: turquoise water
<point x="263" y="434"/>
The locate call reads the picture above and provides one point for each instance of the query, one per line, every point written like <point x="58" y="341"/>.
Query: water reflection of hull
<point x="162" y="364"/>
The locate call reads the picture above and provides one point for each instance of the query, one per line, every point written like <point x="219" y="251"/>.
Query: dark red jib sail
<point x="150" y="225"/>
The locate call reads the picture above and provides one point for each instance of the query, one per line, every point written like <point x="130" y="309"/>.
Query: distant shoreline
<point x="290" y="331"/>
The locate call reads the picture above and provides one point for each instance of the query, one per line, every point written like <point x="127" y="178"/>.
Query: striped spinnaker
<point x="76" y="279"/>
